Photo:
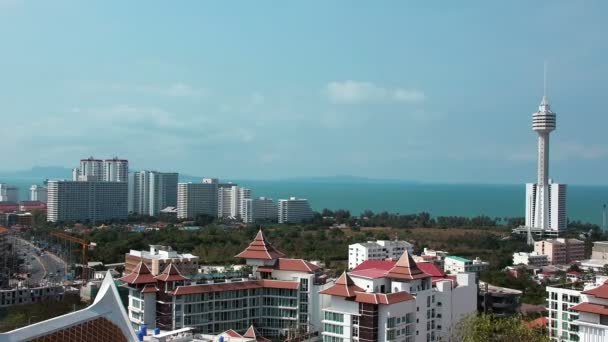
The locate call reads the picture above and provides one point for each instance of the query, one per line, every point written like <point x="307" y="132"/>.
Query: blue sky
<point x="430" y="91"/>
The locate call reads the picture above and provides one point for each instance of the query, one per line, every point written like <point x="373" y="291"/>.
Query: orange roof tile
<point x="600" y="291"/>
<point x="296" y="265"/>
<point x="252" y="333"/>
<point x="260" y="248"/>
<point x="280" y="284"/>
<point x="232" y="333"/>
<point x="170" y="273"/>
<point x="591" y="308"/>
<point x="344" y="287"/>
<point x="539" y="322"/>
<point x="150" y="288"/>
<point x="406" y="269"/>
<point x="140" y="275"/>
<point x="383" y="298"/>
<point x="241" y="285"/>
<point x="377" y="264"/>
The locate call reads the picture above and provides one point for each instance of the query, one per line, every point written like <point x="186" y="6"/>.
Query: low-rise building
<point x="29" y="295"/>
<point x="561" y="251"/>
<point x="531" y="259"/>
<point x="498" y="301"/>
<point x="383" y="300"/>
<point x="600" y="250"/>
<point x="455" y="264"/>
<point x="377" y="250"/>
<point x="159" y="257"/>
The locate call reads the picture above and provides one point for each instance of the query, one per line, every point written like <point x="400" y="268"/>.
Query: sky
<point x="432" y="91"/>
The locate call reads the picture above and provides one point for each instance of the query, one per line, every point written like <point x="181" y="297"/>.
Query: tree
<point x="487" y="328"/>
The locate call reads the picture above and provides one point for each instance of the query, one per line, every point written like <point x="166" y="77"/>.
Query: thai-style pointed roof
<point x="140" y="275"/>
<point x="343" y="287"/>
<point x="170" y="273"/>
<point x="406" y="269"/>
<point x="260" y="248"/>
<point x="252" y="333"/>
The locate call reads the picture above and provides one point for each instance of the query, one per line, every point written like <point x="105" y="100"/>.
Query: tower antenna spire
<point x="545" y="79"/>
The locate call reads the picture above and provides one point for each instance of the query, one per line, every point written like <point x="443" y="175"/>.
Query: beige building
<point x="159" y="257"/>
<point x="600" y="250"/>
<point x="561" y="251"/>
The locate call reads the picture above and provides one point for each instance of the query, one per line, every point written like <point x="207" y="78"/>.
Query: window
<point x="334" y="316"/>
<point x="390" y="323"/>
<point x="355" y="320"/>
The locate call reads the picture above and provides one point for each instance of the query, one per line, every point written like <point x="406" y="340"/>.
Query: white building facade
<point x="8" y="193"/>
<point x="82" y="201"/>
<point x="455" y="264"/>
<point x="592" y="322"/>
<point x="232" y="201"/>
<point x="556" y="208"/>
<point x="531" y="259"/>
<point x="294" y="210"/>
<point x="151" y="191"/>
<point x="377" y="250"/>
<point x="197" y="199"/>
<point x="115" y="170"/>
<point x="38" y="193"/>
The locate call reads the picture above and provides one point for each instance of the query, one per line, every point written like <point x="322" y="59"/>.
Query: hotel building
<point x="8" y="193"/>
<point x="397" y="301"/>
<point x="151" y="191"/>
<point x="38" y="193"/>
<point x="232" y="201"/>
<point x="377" y="250"/>
<point x="159" y="257"/>
<point x="592" y="320"/>
<point x="455" y="264"/>
<point x="197" y="199"/>
<point x="279" y="298"/>
<point x="294" y="210"/>
<point x="561" y="251"/>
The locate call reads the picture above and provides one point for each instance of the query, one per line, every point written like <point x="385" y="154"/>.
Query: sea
<point x="584" y="203"/>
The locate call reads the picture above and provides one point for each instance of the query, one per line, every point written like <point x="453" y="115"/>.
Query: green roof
<point x="457" y="258"/>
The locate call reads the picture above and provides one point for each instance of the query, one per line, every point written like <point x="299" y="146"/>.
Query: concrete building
<point x="115" y="170"/>
<point x="159" y="257"/>
<point x="280" y="297"/>
<point x="9" y="193"/>
<point x="104" y="320"/>
<point x="70" y="201"/>
<point x="90" y="167"/>
<point x="545" y="201"/>
<point x="377" y="250"/>
<point x="397" y="301"/>
<point x="561" y="251"/>
<point x="294" y="210"/>
<point x="263" y="209"/>
<point x="195" y="199"/>
<point x="38" y="193"/>
<point x="498" y="301"/>
<point x="29" y="295"/>
<point x="531" y="259"/>
<point x="151" y="191"/>
<point x="232" y="201"/>
<point x="591" y="323"/>
<point x="455" y="264"/>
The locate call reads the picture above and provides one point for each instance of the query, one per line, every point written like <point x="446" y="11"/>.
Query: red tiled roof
<point x="371" y="273"/>
<point x="539" y="322"/>
<point x="431" y="269"/>
<point x="264" y="269"/>
<point x="383" y="298"/>
<point x="600" y="291"/>
<point x="150" y="288"/>
<point x="252" y="333"/>
<point x="344" y="287"/>
<point x="241" y="285"/>
<point x="232" y="333"/>
<point x="297" y="265"/>
<point x="406" y="269"/>
<point x="170" y="273"/>
<point x="378" y="264"/>
<point x="259" y="248"/>
<point x="591" y="308"/>
<point x="140" y="275"/>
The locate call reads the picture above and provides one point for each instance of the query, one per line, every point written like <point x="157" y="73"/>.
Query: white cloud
<point x="350" y="92"/>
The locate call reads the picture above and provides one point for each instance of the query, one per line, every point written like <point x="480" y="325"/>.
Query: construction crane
<point x="86" y="246"/>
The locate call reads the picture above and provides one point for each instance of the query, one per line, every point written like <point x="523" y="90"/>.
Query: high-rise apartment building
<point x="90" y="167"/>
<point x="151" y="191"/>
<point x="377" y="250"/>
<point x="556" y="207"/>
<point x="561" y="251"/>
<point x="92" y="201"/>
<point x="232" y="200"/>
<point x="115" y="170"/>
<point x="264" y="210"/>
<point x="197" y="199"/>
<point x="294" y="210"/>
<point x="38" y="193"/>
<point x="9" y="193"/>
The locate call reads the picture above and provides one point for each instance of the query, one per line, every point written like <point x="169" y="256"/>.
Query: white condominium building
<point x="294" y="210"/>
<point x="455" y="264"/>
<point x="232" y="200"/>
<point x="592" y="322"/>
<point x="397" y="301"/>
<point x="377" y="250"/>
<point x="151" y="191"/>
<point x="90" y="167"/>
<point x="259" y="210"/>
<point x="532" y="259"/>
<point x="115" y="170"/>
<point x="556" y="205"/>
<point x="8" y="193"/>
<point x="197" y="199"/>
<point x="70" y="201"/>
<point x="38" y="193"/>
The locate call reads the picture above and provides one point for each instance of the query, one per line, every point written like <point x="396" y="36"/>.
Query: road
<point x="43" y="267"/>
